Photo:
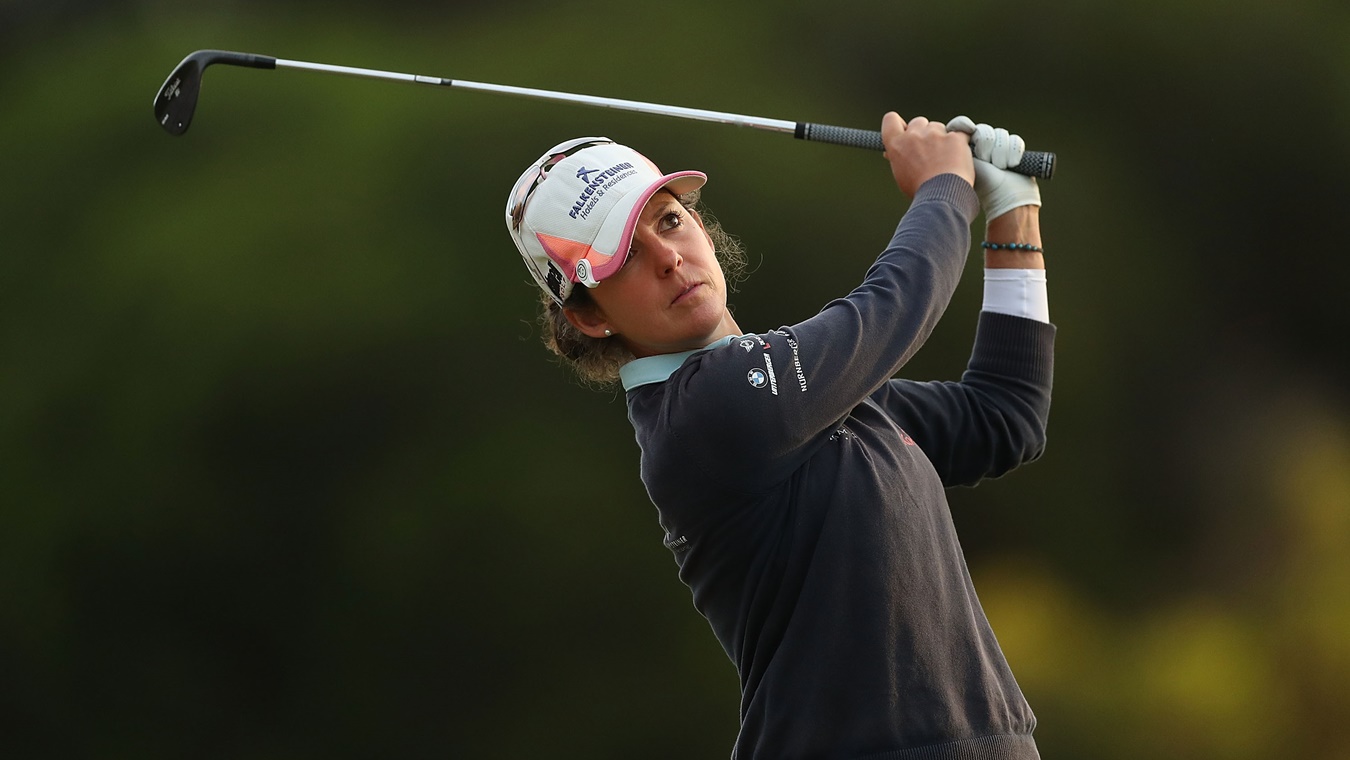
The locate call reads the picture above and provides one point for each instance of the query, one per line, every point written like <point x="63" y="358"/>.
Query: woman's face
<point x="670" y="295"/>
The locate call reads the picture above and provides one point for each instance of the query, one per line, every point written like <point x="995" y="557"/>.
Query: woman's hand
<point x="996" y="151"/>
<point x="922" y="149"/>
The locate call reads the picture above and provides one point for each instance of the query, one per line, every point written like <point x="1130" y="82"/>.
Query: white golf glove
<point x="995" y="151"/>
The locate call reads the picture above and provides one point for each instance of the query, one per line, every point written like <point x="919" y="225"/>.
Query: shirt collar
<point x="657" y="369"/>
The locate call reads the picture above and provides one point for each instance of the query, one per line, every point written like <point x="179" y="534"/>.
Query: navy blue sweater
<point x="801" y="489"/>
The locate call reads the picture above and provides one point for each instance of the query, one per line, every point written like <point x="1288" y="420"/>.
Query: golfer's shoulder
<point x="724" y="395"/>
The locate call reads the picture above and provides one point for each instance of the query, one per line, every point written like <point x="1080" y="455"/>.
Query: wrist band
<point x="1011" y="247"/>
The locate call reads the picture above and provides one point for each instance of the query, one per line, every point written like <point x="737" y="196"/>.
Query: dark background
<point x="284" y="472"/>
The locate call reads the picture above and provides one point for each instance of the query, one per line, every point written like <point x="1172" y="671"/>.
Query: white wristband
<point x="1017" y="292"/>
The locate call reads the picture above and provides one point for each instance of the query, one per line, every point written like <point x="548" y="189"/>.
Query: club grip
<point x="1034" y="163"/>
<point x="853" y="138"/>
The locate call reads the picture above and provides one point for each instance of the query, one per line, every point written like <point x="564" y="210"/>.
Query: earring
<point x="608" y="333"/>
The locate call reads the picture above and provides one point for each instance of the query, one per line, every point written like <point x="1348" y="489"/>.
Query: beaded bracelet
<point x="1011" y="247"/>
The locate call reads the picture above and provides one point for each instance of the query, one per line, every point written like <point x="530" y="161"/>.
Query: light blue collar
<point x="656" y="369"/>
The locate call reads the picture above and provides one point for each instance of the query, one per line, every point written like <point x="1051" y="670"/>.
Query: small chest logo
<point x="678" y="545"/>
<point x="757" y="377"/>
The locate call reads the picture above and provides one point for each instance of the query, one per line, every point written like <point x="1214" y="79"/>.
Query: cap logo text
<point x="597" y="187"/>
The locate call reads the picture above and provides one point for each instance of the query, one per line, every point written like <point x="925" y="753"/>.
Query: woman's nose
<point x="666" y="256"/>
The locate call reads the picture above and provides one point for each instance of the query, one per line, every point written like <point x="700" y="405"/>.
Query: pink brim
<point x="679" y="183"/>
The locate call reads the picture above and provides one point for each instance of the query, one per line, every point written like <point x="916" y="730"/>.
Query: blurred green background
<point x="284" y="472"/>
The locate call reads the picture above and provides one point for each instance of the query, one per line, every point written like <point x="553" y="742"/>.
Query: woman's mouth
<point x="686" y="293"/>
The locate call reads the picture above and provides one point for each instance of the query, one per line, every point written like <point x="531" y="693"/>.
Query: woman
<point x="799" y="485"/>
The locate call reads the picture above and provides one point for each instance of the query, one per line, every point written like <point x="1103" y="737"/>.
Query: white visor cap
<point x="580" y="209"/>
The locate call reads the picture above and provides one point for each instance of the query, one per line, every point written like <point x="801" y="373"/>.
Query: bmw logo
<point x="757" y="377"/>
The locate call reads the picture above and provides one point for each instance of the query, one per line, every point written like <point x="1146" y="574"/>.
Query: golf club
<point x="177" y="100"/>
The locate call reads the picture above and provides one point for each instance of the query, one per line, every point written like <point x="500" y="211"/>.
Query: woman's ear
<point x="589" y="320"/>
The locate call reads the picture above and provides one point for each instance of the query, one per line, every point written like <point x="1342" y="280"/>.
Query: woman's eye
<point x="672" y="220"/>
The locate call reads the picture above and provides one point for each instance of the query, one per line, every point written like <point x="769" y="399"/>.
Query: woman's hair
<point x="596" y="361"/>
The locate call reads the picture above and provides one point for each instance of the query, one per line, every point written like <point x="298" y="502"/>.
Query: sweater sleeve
<point x="751" y="411"/>
<point x="995" y="418"/>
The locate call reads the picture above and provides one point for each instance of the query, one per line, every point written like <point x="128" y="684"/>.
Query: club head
<point x="177" y="97"/>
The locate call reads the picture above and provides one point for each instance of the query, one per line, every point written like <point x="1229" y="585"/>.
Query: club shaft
<point x="721" y="117"/>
